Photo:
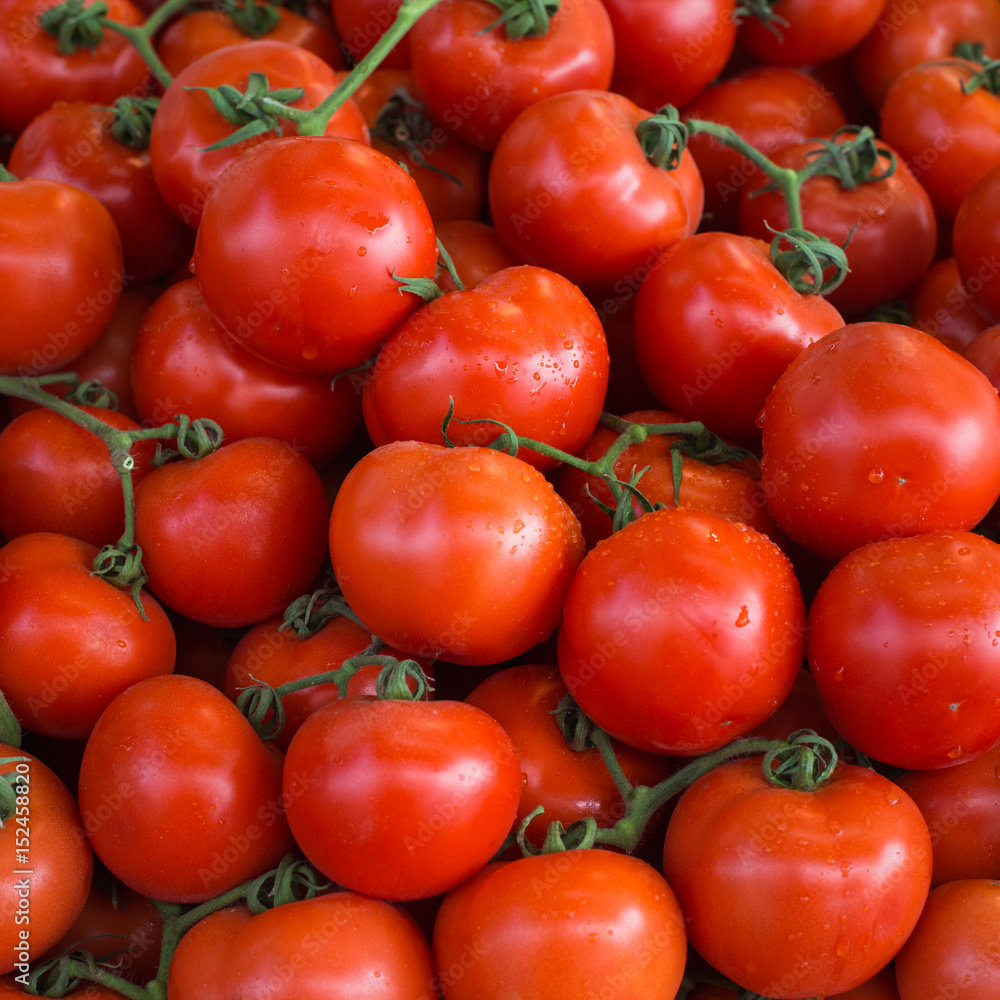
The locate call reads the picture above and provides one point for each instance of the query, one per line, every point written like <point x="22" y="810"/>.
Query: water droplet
<point x="845" y="868"/>
<point x="568" y="345"/>
<point x="362" y="251"/>
<point x="310" y="352"/>
<point x="519" y="525"/>
<point x="123" y="644"/>
<point x="876" y="475"/>
<point x="954" y="753"/>
<point x="760" y="419"/>
<point x="743" y="618"/>
<point x="892" y="798"/>
<point x="838" y="674"/>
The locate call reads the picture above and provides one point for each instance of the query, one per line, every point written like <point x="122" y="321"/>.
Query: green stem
<point x="141" y="39"/>
<point x="5" y="175"/>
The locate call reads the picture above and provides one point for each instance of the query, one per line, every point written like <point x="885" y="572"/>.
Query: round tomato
<point x="984" y="352"/>
<point x="974" y="236"/>
<point x="940" y="305"/>
<point x="476" y="252"/>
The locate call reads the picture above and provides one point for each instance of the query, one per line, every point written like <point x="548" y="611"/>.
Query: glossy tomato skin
<point x="45" y="894"/>
<point x="476" y="251"/>
<point x="361" y="23"/>
<point x="682" y="631"/>
<point x="71" y="641"/>
<point x="828" y="883"/>
<point x="524" y="347"/>
<point x="183" y="362"/>
<point x="400" y="799"/>
<point x="232" y="538"/>
<point x="716" y="324"/>
<point x="54" y="228"/>
<point x="909" y="673"/>
<point x="856" y="448"/>
<point x="974" y="241"/>
<point x="477" y="82"/>
<point x="463" y="554"/>
<point x="337" y="946"/>
<point x="179" y="796"/>
<point x="942" y="306"/>
<point x="570" y="189"/>
<point x="304" y="277"/>
<point x="559" y="926"/>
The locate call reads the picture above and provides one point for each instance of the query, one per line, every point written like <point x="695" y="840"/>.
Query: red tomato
<point x="400" y="799"/>
<point x="941" y="306"/>
<point x="71" y="641"/>
<point x="304" y="278"/>
<point x="802" y="709"/>
<point x="340" y="946"/>
<point x="903" y="647"/>
<point x="47" y="863"/>
<point x="829" y="882"/>
<point x="361" y="23"/>
<point x="57" y="476"/>
<point x="859" y="447"/>
<point x="477" y="82"/>
<point x="524" y="347"/>
<point x="476" y="252"/>
<point x="720" y="370"/>
<point x="44" y="75"/>
<point x="180" y="798"/>
<point x="563" y="926"/>
<point x="984" y="353"/>
<point x="682" y="631"/>
<point x="232" y="538"/>
<point x="571" y="189"/>
<point x="183" y="362"/>
<point x="460" y="554"/>
<point x="50" y="229"/>
<point x="974" y="236"/>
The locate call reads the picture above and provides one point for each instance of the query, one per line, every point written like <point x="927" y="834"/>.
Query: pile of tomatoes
<point x="499" y="499"/>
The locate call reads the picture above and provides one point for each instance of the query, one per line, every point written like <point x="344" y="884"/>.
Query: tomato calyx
<point x="970" y="51"/>
<point x="12" y="784"/>
<point x="10" y="728"/>
<point x="252" y="18"/>
<point x="132" y="120"/>
<point x="122" y="568"/>
<point x="855" y="160"/>
<point x="811" y="264"/>
<point x="402" y="122"/>
<point x="663" y="137"/>
<point x="893" y="311"/>
<point x="307" y="614"/>
<point x="75" y="26"/>
<point x="805" y="763"/>
<point x="523" y="18"/>
<point x="987" y="78"/>
<point x="6" y="177"/>
<point x="193" y="438"/>
<point x="763" y="11"/>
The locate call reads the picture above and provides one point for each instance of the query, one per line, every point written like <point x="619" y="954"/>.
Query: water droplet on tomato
<point x="362" y="251"/>
<point x="519" y="525"/>
<point x="954" y="753"/>
<point x="743" y="618"/>
<point x="876" y="475"/>
<point x="760" y="419"/>
<point x="838" y="674"/>
<point x="310" y="352"/>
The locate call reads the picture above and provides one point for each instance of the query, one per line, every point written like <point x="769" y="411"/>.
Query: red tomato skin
<point x="942" y="306"/>
<point x="304" y="279"/>
<point x="361" y="23"/>
<point x="56" y="877"/>
<point x="477" y="83"/>
<point x="399" y="799"/>
<point x="681" y="632"/>
<point x="475" y="249"/>
<point x="232" y="538"/>
<point x="974" y="236"/>
<point x="894" y="677"/>
<point x="183" y="362"/>
<point x="984" y="352"/>
<point x="793" y="865"/>
<point x="179" y="796"/>
<point x="71" y="641"/>
<point x="536" y="922"/>
<point x="460" y="554"/>
<point x="848" y="423"/>
<point x="524" y="347"/>
<point x="721" y="371"/>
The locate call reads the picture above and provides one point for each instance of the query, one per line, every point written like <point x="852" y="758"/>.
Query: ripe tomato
<point x="361" y="23"/>
<point x="180" y="798"/>
<point x="682" y="631"/>
<point x="400" y="799"/>
<point x="461" y="554"/>
<point x="477" y="82"/>
<point x="984" y="352"/>
<point x="571" y="189"/>
<point x="476" y="251"/>
<point x="860" y="446"/>
<point x="565" y="925"/>
<point x="47" y="863"/>
<point x="974" y="240"/>
<point x="941" y="305"/>
<point x="716" y="324"/>
<point x="71" y="642"/>
<point x="304" y="277"/>
<point x="524" y="347"/>
<point x="829" y="882"/>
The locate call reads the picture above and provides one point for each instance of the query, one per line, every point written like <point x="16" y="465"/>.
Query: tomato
<point x="524" y="347"/>
<point x="183" y="362"/>
<point x="887" y="224"/>
<point x="461" y="554"/>
<point x="400" y="799"/>
<point x="340" y="946"/>
<point x="974" y="239"/>
<point x="72" y="142"/>
<point x="858" y="446"/>
<point x="802" y="709"/>
<point x="50" y="229"/>
<point x="948" y="138"/>
<point x="721" y="371"/>
<point x="564" y="925"/>
<point x="361" y="23"/>
<point x="902" y="647"/>
<point x="44" y="75"/>
<point x="180" y="798"/>
<point x="198" y="32"/>
<point x="47" y="864"/>
<point x="667" y="53"/>
<point x="828" y="883"/>
<point x="476" y="82"/>
<point x="729" y="489"/>
<point x="984" y="352"/>
<point x="571" y="189"/>
<point x="941" y="306"/>
<point x="71" y="641"/>
<point x="304" y="277"/>
<point x="476" y="251"/>
<point x="231" y="539"/>
<point x="186" y="171"/>
<point x="770" y="107"/>
<point x="954" y="944"/>
<point x="682" y="631"/>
